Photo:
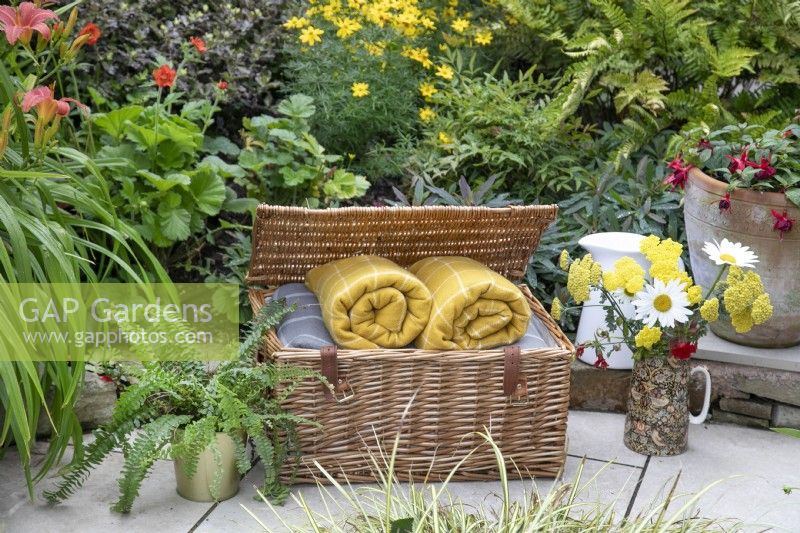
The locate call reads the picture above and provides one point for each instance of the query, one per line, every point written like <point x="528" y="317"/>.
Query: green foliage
<point x="175" y="409"/>
<point x="425" y="193"/>
<point x="286" y="164"/>
<point x="241" y="35"/>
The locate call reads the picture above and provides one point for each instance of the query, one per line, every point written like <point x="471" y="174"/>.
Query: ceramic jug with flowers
<point x="672" y="314"/>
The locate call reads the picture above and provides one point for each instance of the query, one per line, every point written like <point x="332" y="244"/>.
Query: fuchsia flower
<point x="679" y="175"/>
<point x="19" y="23"/>
<point x="682" y="350"/>
<point x="782" y="222"/>
<point x="47" y="107"/>
<point x="601" y="361"/>
<point x="705" y="144"/>
<point x="579" y="349"/>
<point x="767" y="171"/>
<point x="725" y="202"/>
<point x="739" y="163"/>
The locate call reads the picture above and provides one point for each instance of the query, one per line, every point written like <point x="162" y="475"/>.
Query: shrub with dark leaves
<point x="241" y="35"/>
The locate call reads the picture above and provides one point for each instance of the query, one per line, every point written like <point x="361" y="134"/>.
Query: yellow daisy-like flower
<point x="445" y="138"/>
<point x="460" y="25"/>
<point x="563" y="260"/>
<point x="695" y="293"/>
<point x="579" y="278"/>
<point x="710" y="310"/>
<point x="484" y="38"/>
<point x="427" y="23"/>
<point x="420" y="55"/>
<point x="375" y="49"/>
<point x="296" y="23"/>
<point x="311" y="36"/>
<point x="444" y="71"/>
<point x="762" y="309"/>
<point x="360" y="90"/>
<point x="426" y="114"/>
<point x="647" y="337"/>
<point x="427" y="89"/>
<point x="347" y="27"/>
<point x="555" y="309"/>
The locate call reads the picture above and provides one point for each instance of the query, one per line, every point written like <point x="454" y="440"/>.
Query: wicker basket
<point x="434" y="403"/>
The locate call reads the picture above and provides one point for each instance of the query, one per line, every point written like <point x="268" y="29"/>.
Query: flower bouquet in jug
<point x="671" y="312"/>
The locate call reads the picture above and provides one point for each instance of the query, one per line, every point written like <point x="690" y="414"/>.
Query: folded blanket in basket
<point x="473" y="306"/>
<point x="369" y="302"/>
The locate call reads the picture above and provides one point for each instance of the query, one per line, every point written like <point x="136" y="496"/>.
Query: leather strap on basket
<point x="330" y="369"/>
<point x="515" y="385"/>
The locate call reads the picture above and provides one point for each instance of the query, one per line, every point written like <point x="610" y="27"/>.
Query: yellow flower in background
<point x="762" y="309"/>
<point x="426" y="114"/>
<point x="484" y="38"/>
<point x="445" y="138"/>
<point x="710" y="310"/>
<point x="460" y="25"/>
<point x="347" y="27"/>
<point x="449" y="12"/>
<point x="555" y="309"/>
<point x="375" y="49"/>
<point x="427" y="23"/>
<point x="360" y="90"/>
<point x="420" y="55"/>
<point x="579" y="278"/>
<point x="296" y="23"/>
<point x="695" y="293"/>
<point x="647" y="337"/>
<point x="664" y="256"/>
<point x="311" y="36"/>
<point x="444" y="71"/>
<point x="627" y="276"/>
<point x="563" y="260"/>
<point x="427" y="89"/>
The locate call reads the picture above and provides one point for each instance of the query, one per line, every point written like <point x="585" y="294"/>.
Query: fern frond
<point x="269" y="316"/>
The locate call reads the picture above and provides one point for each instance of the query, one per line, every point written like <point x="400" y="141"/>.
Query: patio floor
<point x="754" y="465"/>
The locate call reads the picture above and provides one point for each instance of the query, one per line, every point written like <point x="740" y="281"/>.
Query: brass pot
<point x="198" y="487"/>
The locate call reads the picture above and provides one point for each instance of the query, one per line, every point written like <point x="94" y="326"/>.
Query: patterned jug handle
<point x="699" y="419"/>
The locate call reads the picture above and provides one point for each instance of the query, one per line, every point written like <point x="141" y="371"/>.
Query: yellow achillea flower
<point x="742" y="322"/>
<point x="375" y="49"/>
<point x="627" y="275"/>
<point x="595" y="273"/>
<point x="745" y="300"/>
<point x="710" y="310"/>
<point x="444" y="71"/>
<point x="445" y="138"/>
<point x="460" y="25"/>
<point x="762" y="309"/>
<point x="426" y="114"/>
<point x="311" y="36"/>
<point x="663" y="256"/>
<point x="579" y="278"/>
<point x="563" y="260"/>
<point x="555" y="309"/>
<point x="347" y="27"/>
<point x="695" y="293"/>
<point x="647" y="337"/>
<point x="484" y="38"/>
<point x="296" y="23"/>
<point x="360" y="90"/>
<point x="427" y="89"/>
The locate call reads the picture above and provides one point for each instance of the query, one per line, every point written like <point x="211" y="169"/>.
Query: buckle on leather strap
<point x="337" y="389"/>
<point x="515" y="384"/>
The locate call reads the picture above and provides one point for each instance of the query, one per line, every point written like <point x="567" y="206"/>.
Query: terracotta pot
<point x="198" y="487"/>
<point x="749" y="221"/>
<point x="657" y="422"/>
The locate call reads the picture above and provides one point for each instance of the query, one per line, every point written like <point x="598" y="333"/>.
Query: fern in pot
<point x="201" y="415"/>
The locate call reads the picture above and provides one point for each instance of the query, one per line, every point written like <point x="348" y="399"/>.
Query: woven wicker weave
<point x="435" y="401"/>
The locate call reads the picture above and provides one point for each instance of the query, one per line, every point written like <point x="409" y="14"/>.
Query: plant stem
<point x="714" y="285"/>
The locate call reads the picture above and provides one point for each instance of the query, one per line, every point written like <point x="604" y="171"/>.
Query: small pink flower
<point x="782" y="222"/>
<point x="680" y="174"/>
<point x="767" y="171"/>
<point x="19" y="23"/>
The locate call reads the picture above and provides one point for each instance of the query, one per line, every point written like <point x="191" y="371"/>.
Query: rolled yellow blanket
<point x="474" y="307"/>
<point x="369" y="302"/>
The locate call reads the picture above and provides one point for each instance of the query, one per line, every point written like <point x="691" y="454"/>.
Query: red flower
<point x="725" y="202"/>
<point x="739" y="163"/>
<point x="92" y="31"/>
<point x="679" y="175"/>
<point x="46" y="105"/>
<point x="788" y="133"/>
<point x="199" y="44"/>
<point x="579" y="350"/>
<point x="105" y="378"/>
<point x="222" y="85"/>
<point x="164" y="76"/>
<point x="682" y="350"/>
<point x="19" y="23"/>
<point x="705" y="144"/>
<point x="782" y="222"/>
<point x="601" y="361"/>
<point x="766" y="172"/>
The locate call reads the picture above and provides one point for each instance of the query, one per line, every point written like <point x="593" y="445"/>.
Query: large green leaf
<point x="174" y="222"/>
<point x="115" y="122"/>
<point x="208" y="190"/>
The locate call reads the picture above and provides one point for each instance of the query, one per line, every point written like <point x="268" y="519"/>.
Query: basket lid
<point x="290" y="241"/>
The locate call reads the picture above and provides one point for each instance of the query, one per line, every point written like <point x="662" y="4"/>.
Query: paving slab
<point x="611" y="484"/>
<point x="599" y="436"/>
<point x="763" y="461"/>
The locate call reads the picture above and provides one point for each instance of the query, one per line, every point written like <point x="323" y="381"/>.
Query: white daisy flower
<point x="730" y="253"/>
<point x="662" y="303"/>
